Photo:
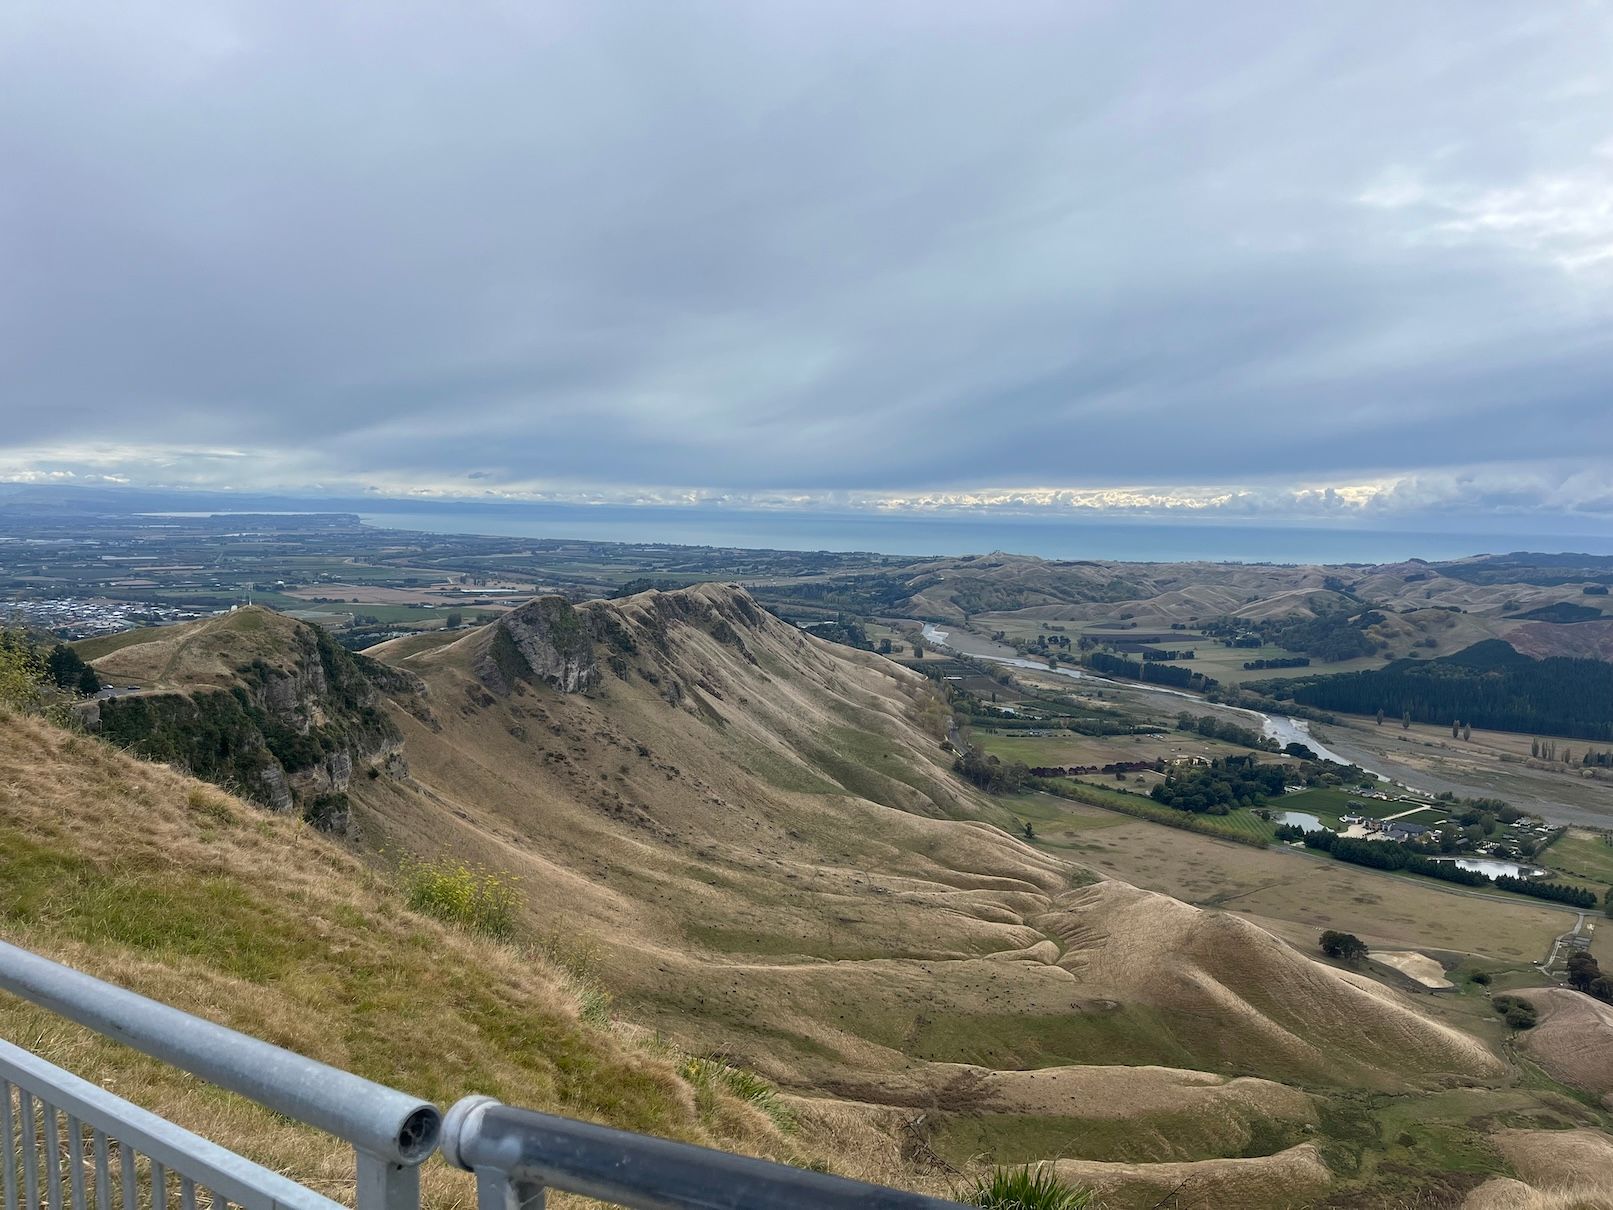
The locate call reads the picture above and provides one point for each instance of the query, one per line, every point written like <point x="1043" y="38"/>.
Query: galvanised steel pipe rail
<point x="390" y="1131"/>
<point x="517" y="1154"/>
<point x="36" y="1097"/>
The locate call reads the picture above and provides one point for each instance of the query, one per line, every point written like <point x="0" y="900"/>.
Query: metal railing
<point x="130" y="1157"/>
<point x="66" y="1144"/>
<point x="518" y="1154"/>
<point x="390" y="1131"/>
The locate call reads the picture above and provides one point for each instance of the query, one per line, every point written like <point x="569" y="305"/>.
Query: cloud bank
<point x="1179" y="259"/>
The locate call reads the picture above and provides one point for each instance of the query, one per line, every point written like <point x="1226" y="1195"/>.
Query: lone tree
<point x="1030" y="832"/>
<point x="1345" y="946"/>
<point x="69" y="671"/>
<point x="1583" y="970"/>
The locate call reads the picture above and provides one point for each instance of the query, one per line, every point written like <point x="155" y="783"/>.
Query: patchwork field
<point x="1065" y="748"/>
<point x="1494" y="764"/>
<point x="1298" y="888"/>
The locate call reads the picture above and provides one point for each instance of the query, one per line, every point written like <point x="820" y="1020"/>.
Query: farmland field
<point x="1063" y="748"/>
<point x="1313" y="892"/>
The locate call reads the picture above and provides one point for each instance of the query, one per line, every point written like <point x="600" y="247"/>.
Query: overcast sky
<point x="1118" y="256"/>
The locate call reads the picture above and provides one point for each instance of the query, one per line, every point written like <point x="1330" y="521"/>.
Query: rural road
<point x="1579" y="939"/>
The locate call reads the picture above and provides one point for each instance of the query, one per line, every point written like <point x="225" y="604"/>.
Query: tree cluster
<point x="1514" y="1010"/>
<point x="1214" y="728"/>
<point x="1216" y="788"/>
<point x="1160" y="674"/>
<point x="1392" y="855"/>
<point x="1585" y="975"/>
<point x="1329" y="636"/>
<point x="991" y="774"/>
<point x="70" y="672"/>
<point x="1487" y="685"/>
<point x="31" y="679"/>
<point x="1346" y="947"/>
<point x="1558" y="892"/>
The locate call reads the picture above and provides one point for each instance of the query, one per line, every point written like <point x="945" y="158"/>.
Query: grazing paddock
<point x="1313" y="893"/>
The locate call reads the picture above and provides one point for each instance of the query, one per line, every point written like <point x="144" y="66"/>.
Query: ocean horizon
<point x="924" y="535"/>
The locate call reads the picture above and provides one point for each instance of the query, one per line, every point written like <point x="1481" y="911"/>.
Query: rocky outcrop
<point x="546" y="640"/>
<point x="290" y="734"/>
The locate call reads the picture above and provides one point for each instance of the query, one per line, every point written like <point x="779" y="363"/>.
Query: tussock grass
<point x="708" y="1075"/>
<point x="1026" y="1189"/>
<point x="580" y="961"/>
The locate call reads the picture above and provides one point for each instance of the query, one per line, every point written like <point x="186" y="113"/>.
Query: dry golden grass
<point x="772" y="864"/>
<point x="208" y="652"/>
<point x="1267" y="1006"/>
<point x="779" y="869"/>
<point x="143" y="877"/>
<point x="1557" y="1170"/>
<point x="1288" y="1178"/>
<point x="1504" y="1193"/>
<point x="1573" y="1039"/>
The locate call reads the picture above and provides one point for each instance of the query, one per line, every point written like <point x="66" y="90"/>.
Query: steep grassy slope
<point x="760" y="832"/>
<point x="165" y="885"/>
<point x="1573" y="1040"/>
<point x="1246" y="1000"/>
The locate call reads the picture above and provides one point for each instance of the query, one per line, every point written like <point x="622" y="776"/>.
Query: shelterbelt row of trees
<point x="1161" y="674"/>
<point x="1389" y="855"/>
<point x="1489" y="685"/>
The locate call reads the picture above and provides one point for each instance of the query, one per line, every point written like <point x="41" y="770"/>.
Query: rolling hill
<point x="752" y="840"/>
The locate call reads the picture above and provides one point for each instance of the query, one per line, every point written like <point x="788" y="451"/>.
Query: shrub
<point x="1482" y="978"/>
<point x="1517" y="1013"/>
<point x="1026" y="1189"/>
<point x="464" y="895"/>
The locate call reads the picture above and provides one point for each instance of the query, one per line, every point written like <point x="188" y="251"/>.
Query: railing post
<point x="497" y="1190"/>
<point x="384" y="1184"/>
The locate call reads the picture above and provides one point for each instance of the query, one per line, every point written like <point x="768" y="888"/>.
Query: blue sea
<point x="930" y="534"/>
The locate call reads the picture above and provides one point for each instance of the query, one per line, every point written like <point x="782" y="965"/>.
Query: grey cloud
<point x="821" y="248"/>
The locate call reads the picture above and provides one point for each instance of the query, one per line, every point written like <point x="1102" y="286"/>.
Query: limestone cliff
<point x="263" y="704"/>
<point x="544" y="640"/>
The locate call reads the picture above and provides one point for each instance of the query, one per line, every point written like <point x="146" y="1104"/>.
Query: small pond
<point x="1303" y="818"/>
<point x="1490" y="867"/>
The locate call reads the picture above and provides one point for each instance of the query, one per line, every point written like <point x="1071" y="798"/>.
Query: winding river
<point x="1283" y="728"/>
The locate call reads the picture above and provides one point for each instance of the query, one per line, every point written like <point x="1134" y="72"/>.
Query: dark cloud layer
<point x="910" y="251"/>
